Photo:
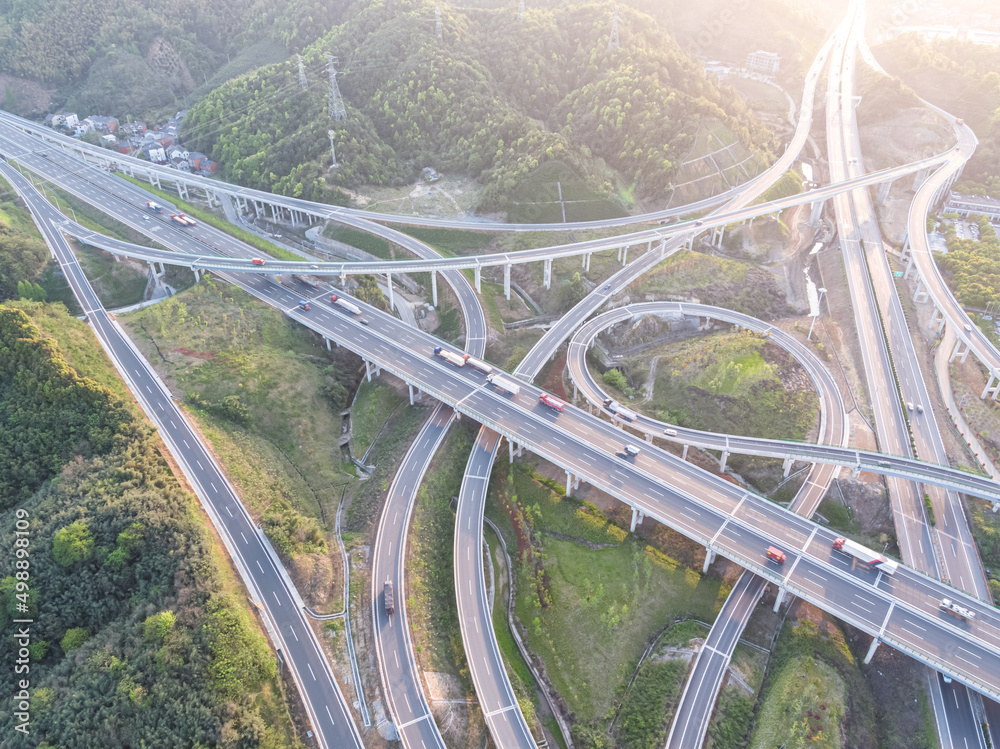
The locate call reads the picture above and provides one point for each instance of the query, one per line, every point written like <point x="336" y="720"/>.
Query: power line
<point x="520" y="10"/>
<point x="437" y="21"/>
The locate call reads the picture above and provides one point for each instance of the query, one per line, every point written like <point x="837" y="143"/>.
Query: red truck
<point x="257" y="261"/>
<point x="775" y="555"/>
<point x="551" y="402"/>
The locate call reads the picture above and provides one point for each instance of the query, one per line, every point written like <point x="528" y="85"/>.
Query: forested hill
<point x="492" y="98"/>
<point x="962" y="78"/>
<point x="133" y="57"/>
<point x="137" y="637"/>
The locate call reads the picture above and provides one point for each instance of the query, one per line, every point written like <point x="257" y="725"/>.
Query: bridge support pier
<point x="510" y="451"/>
<point x="786" y="466"/>
<point x="709" y="559"/>
<point x="904" y="254"/>
<point x="684" y="452"/>
<point x="815" y="213"/>
<point x="649" y="438"/>
<point x="779" y="599"/>
<point x="587" y="266"/>
<point x="572" y="482"/>
<point x="717" y="236"/>
<point x="871" y="650"/>
<point x="909" y="266"/>
<point x="937" y="319"/>
<point x="722" y="461"/>
<point x="992" y="386"/>
<point x="392" y="299"/>
<point x="479" y="278"/>
<point x="625" y="254"/>
<point x="547" y="273"/>
<point x="328" y="349"/>
<point x="637" y="518"/>
<point x="920" y="294"/>
<point x="434" y="287"/>
<point x="958" y="352"/>
<point x="368" y="370"/>
<point x="410" y="387"/>
<point x="506" y="281"/>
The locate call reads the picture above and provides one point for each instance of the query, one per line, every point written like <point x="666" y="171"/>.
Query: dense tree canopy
<point x="135" y="642"/>
<point x="464" y="103"/>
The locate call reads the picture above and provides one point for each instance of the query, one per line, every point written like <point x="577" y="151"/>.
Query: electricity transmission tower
<point x="613" y="39"/>
<point x="437" y="21"/>
<point x="520" y="10"/>
<point x="302" y="74"/>
<point x="336" y="106"/>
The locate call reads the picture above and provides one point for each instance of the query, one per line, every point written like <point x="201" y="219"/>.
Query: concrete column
<point x="197" y="275"/>
<point x="479" y="276"/>
<point x="722" y="461"/>
<point x="709" y="559"/>
<point x="637" y="518"/>
<point x="392" y="298"/>
<point x="506" y="281"/>
<point x="420" y="394"/>
<point x="624" y="254"/>
<point x="937" y="319"/>
<point x="434" y="287"/>
<point x="814" y="215"/>
<point x="786" y="466"/>
<point x="992" y="386"/>
<point x="569" y="482"/>
<point x="871" y="651"/>
<point x="588" y="262"/>
<point x="368" y="370"/>
<point x="958" y="352"/>
<point x="343" y="280"/>
<point x="722" y="233"/>
<point x="779" y="599"/>
<point x="883" y="192"/>
<point x="920" y="294"/>
<point x="649" y="438"/>
<point x="378" y="371"/>
<point x="410" y="386"/>
<point x="510" y="451"/>
<point x="909" y="266"/>
<point x="684" y="452"/>
<point x="583" y="261"/>
<point x="547" y="273"/>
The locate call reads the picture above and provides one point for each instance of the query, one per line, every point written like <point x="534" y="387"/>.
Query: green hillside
<point x="620" y="119"/>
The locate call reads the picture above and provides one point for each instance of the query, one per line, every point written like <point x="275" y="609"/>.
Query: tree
<point x="615" y="379"/>
<point x="74" y="638"/>
<point x="73" y="544"/>
<point x="158" y="626"/>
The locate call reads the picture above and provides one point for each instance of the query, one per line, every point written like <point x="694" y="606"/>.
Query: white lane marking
<point x="200" y="466"/>
<point x="244" y="539"/>
<point x="396" y="654"/>
<point x="173" y="424"/>
<point x="186" y="443"/>
<point x="229" y="511"/>
<point x="279" y="603"/>
<point x="148" y="390"/>
<point x="292" y="630"/>
<point x="258" y="565"/>
<point x="311" y="671"/>
<point x="405" y="697"/>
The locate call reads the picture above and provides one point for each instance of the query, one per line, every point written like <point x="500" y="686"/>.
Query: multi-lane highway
<point x="280" y="605"/>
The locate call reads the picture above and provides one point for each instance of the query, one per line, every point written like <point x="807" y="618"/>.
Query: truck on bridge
<point x="181" y="220"/>
<point x="872" y="559"/>
<point x="345" y="305"/>
<point x="959" y="612"/>
<point x="503" y="384"/>
<point x="478" y="364"/>
<point x="619" y="410"/>
<point x="450" y="356"/>
<point x="390" y="604"/>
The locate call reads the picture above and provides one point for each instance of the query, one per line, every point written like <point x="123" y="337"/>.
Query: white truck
<point x="346" y="305"/>
<point x="450" y="356"/>
<point x="478" y="364"/>
<point x="872" y="559"/>
<point x="959" y="612"/>
<point x="503" y="384"/>
<point x="619" y="410"/>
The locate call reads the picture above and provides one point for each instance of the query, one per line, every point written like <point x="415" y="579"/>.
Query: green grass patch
<point x="589" y="594"/>
<point x="728" y="383"/>
<point x="118" y="284"/>
<point x="731" y="722"/>
<point x="537" y="197"/>
<point x="373" y="404"/>
<point x="815" y="694"/>
<point x="450" y="242"/>
<point x="450" y="322"/>
<point x="260" y="388"/>
<point x="789" y="184"/>
<point x="217" y="221"/>
<point x="431" y="607"/>
<point x="57" y="288"/>
<point x="370" y="243"/>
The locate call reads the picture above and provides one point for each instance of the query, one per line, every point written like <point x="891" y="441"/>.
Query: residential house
<point x="124" y="146"/>
<point x="208" y="166"/>
<point x="195" y="158"/>
<point x="69" y="119"/>
<point x="156" y="153"/>
<point x="102" y="124"/>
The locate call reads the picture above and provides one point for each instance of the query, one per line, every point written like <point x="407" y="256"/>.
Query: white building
<point x="763" y="62"/>
<point x="965" y="205"/>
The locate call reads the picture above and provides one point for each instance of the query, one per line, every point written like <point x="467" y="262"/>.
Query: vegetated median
<point x="591" y="596"/>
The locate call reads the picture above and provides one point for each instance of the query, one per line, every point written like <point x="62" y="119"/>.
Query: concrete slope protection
<point x="280" y="606"/>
